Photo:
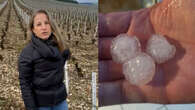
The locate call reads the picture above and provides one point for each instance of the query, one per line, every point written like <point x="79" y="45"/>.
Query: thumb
<point x="141" y="25"/>
<point x="112" y="24"/>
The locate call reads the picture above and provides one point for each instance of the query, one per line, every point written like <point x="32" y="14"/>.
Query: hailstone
<point x="138" y="66"/>
<point x="124" y="48"/>
<point x="160" y="49"/>
<point x="139" y="70"/>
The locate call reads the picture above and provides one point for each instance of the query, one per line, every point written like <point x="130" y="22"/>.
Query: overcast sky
<point x="87" y="1"/>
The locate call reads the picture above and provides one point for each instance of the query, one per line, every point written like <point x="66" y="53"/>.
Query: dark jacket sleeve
<point x="25" y="68"/>
<point x="66" y="54"/>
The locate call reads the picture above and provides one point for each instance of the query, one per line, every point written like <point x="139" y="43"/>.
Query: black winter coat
<point x="41" y="73"/>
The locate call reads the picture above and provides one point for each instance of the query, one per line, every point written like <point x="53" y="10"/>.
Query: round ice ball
<point x="124" y="48"/>
<point x="160" y="49"/>
<point x="139" y="70"/>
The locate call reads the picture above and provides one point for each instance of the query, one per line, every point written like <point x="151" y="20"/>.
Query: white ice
<point x="139" y="67"/>
<point x="139" y="70"/>
<point x="124" y="48"/>
<point x="160" y="49"/>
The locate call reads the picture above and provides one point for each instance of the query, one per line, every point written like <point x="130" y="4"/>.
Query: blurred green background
<point x="106" y="6"/>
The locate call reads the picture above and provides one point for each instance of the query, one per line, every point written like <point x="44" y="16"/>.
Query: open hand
<point x="174" y="79"/>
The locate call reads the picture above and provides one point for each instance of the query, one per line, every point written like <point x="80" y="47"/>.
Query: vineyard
<point x="78" y="25"/>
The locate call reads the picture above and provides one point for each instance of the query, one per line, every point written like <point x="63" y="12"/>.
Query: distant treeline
<point x="70" y="1"/>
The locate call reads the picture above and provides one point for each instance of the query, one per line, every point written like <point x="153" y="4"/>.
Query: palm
<point x="173" y="82"/>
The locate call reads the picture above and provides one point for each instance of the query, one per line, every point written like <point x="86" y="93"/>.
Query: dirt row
<point x="80" y="66"/>
<point x="11" y="44"/>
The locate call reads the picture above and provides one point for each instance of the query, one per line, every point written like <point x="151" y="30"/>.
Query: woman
<point x="41" y="65"/>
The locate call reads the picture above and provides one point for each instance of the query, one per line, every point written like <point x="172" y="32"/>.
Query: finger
<point x="104" y="48"/>
<point x="124" y="92"/>
<point x="145" y="93"/>
<point x="141" y="26"/>
<point x="110" y="93"/>
<point x="114" y="23"/>
<point x="109" y="71"/>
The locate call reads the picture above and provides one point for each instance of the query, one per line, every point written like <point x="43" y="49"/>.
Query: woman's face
<point x="41" y="26"/>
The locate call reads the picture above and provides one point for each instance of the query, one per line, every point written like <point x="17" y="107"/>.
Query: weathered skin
<point x="174" y="80"/>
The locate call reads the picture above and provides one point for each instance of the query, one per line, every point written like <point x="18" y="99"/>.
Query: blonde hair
<point x="55" y="30"/>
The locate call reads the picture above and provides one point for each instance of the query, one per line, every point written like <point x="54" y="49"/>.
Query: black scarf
<point x="46" y="48"/>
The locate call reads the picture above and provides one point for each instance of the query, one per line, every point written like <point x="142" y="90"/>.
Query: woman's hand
<point x="174" y="79"/>
<point x="66" y="54"/>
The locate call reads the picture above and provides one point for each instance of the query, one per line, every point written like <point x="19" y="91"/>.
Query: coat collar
<point x="46" y="48"/>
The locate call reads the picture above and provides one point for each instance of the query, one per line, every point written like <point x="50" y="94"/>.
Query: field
<point x="78" y="25"/>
